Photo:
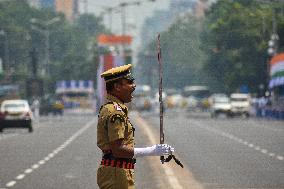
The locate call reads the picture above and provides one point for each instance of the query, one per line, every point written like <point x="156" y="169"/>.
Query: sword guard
<point x="176" y="160"/>
<point x="162" y="158"/>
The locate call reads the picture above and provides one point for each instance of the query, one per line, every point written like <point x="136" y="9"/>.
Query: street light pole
<point x="123" y="18"/>
<point x="46" y="34"/>
<point x="6" y="50"/>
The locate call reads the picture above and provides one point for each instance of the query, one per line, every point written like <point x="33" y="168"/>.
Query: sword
<point x="160" y="62"/>
<point x="162" y="138"/>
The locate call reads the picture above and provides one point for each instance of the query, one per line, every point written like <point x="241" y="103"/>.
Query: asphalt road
<point x="217" y="153"/>
<point x="227" y="153"/>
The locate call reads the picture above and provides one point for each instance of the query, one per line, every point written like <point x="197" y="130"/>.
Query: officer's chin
<point x="130" y="99"/>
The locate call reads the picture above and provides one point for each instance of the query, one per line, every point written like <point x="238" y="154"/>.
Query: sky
<point x="135" y="14"/>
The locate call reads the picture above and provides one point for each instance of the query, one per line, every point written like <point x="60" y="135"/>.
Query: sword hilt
<point x="162" y="158"/>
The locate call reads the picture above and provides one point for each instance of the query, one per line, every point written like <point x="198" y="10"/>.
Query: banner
<point x="114" y="39"/>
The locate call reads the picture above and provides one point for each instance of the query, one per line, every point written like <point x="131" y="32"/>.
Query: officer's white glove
<point x="155" y="150"/>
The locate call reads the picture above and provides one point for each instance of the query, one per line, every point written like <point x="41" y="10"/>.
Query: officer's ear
<point x="117" y="85"/>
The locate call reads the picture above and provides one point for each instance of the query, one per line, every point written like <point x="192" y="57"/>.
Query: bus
<point x="197" y="97"/>
<point x="76" y="95"/>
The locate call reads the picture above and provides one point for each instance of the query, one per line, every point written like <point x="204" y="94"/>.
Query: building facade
<point x="68" y="7"/>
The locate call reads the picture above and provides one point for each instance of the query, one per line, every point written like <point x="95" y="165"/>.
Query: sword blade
<point x="161" y="93"/>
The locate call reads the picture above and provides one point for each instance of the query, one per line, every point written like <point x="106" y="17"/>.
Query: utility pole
<point x="123" y="18"/>
<point x="109" y="11"/>
<point x="6" y="50"/>
<point x="46" y="34"/>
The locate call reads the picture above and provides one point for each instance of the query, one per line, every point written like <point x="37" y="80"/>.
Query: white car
<point x="240" y="104"/>
<point x="15" y="113"/>
<point x="220" y="104"/>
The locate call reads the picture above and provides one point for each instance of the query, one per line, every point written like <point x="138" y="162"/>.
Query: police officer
<point x="115" y="133"/>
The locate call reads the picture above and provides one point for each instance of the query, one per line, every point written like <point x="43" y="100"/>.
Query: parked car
<point x="240" y="104"/>
<point x="220" y="104"/>
<point x="15" y="113"/>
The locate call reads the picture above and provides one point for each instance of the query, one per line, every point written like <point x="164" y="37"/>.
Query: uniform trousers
<point x="115" y="178"/>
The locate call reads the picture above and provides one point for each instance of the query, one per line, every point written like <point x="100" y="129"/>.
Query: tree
<point x="181" y="53"/>
<point x="235" y="39"/>
<point x="72" y="47"/>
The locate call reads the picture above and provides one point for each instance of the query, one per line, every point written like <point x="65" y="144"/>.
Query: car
<point x="142" y="98"/>
<point x="15" y="113"/>
<point x="240" y="104"/>
<point x="220" y="104"/>
<point x="174" y="101"/>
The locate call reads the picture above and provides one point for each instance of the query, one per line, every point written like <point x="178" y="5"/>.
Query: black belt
<point x="118" y="163"/>
<point x="109" y="160"/>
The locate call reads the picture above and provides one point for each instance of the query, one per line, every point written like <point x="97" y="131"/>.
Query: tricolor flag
<point x="277" y="71"/>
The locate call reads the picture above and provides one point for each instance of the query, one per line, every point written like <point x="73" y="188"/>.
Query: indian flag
<point x="277" y="71"/>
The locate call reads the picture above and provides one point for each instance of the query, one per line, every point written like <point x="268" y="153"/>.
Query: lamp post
<point x="6" y="50"/>
<point x="273" y="42"/>
<point x="46" y="34"/>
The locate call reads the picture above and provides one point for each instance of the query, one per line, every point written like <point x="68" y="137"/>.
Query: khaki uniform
<point x="114" y="124"/>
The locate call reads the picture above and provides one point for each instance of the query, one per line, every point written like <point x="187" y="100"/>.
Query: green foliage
<point x="225" y="50"/>
<point x="181" y="54"/>
<point x="236" y="43"/>
<point x="72" y="47"/>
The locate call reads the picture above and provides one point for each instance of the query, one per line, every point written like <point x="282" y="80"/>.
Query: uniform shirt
<point x="114" y="124"/>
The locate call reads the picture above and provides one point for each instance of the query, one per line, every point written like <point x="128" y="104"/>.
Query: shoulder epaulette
<point x="103" y="106"/>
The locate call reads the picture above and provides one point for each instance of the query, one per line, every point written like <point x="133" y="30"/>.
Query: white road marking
<point x="241" y="141"/>
<point x="11" y="183"/>
<point x="51" y="155"/>
<point x="27" y="171"/>
<point x="35" y="166"/>
<point x="257" y="148"/>
<point x="251" y="145"/>
<point x="41" y="162"/>
<point x="271" y="154"/>
<point x="264" y="151"/>
<point x="20" y="177"/>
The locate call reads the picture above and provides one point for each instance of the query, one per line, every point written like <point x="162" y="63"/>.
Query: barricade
<point x="271" y="113"/>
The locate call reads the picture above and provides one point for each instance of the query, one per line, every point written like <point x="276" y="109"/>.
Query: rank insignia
<point x="117" y="107"/>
